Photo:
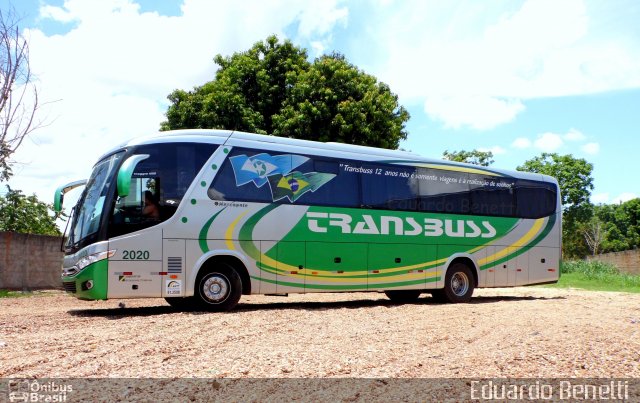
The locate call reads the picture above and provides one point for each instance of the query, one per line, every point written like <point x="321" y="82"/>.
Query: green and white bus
<point x="201" y="217"/>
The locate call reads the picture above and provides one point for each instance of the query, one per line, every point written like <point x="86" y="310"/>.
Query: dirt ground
<point x="518" y="332"/>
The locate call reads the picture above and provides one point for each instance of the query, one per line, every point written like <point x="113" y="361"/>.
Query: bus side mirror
<point x="126" y="171"/>
<point x="58" y="198"/>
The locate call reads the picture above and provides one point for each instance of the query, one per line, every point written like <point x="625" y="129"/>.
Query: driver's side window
<point x="158" y="184"/>
<point x="140" y="209"/>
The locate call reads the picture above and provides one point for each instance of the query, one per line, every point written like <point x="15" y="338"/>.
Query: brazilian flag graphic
<point x="295" y="184"/>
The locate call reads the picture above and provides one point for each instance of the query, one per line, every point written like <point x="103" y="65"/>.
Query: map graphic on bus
<point x="276" y="171"/>
<point x="295" y="184"/>
<point x="258" y="168"/>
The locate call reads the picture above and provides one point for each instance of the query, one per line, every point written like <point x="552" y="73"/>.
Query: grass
<point x="14" y="294"/>
<point x="596" y="276"/>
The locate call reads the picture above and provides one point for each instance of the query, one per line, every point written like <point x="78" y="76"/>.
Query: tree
<point x="249" y="88"/>
<point x="335" y="101"/>
<point x="483" y="158"/>
<point x="26" y="214"/>
<point x="18" y="93"/>
<point x="273" y="89"/>
<point x="594" y="233"/>
<point x="621" y="223"/>
<point x="576" y="184"/>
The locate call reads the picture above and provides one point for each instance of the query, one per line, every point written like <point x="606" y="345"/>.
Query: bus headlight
<point x="96" y="257"/>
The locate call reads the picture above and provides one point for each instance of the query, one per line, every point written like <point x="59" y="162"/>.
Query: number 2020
<point x="135" y="255"/>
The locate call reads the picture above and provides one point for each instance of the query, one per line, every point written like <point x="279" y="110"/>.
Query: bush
<point x="590" y="269"/>
<point x="604" y="273"/>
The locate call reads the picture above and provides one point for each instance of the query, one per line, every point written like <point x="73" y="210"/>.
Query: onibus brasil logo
<point x="32" y="390"/>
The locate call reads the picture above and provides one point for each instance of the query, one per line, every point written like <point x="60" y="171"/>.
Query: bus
<point x="202" y="217"/>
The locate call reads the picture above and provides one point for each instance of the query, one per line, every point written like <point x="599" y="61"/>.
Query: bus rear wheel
<point x="403" y="296"/>
<point x="458" y="285"/>
<point x="218" y="289"/>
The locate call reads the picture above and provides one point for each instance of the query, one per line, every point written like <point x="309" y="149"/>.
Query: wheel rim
<point x="215" y="288"/>
<point x="459" y="284"/>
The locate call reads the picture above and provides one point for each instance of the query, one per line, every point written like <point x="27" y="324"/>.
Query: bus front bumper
<point x="90" y="283"/>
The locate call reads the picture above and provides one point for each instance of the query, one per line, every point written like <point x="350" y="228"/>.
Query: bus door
<point x="501" y="269"/>
<point x="134" y="269"/>
<point x="522" y="268"/>
<point x="512" y="266"/>
<point x="487" y="271"/>
<point x="543" y="264"/>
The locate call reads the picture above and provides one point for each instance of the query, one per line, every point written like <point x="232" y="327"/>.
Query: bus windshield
<point x="88" y="211"/>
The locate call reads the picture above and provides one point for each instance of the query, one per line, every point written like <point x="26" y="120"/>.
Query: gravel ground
<point x="517" y="332"/>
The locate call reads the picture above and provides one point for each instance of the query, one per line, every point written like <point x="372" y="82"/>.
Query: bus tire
<point x="458" y="284"/>
<point x="403" y="296"/>
<point x="218" y="289"/>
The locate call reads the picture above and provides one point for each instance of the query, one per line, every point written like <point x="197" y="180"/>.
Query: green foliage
<point x="589" y="268"/>
<point x="273" y="89"/>
<point x="14" y="294"/>
<point x="621" y="224"/>
<point x="597" y="276"/>
<point x="617" y="283"/>
<point x="576" y="184"/>
<point x="335" y="101"/>
<point x="5" y="165"/>
<point x="483" y="158"/>
<point x="249" y="88"/>
<point x="26" y="214"/>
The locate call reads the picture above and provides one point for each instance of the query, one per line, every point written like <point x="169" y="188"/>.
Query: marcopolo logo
<point x="407" y="226"/>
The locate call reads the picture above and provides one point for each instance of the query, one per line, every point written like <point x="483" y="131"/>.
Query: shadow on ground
<point x="123" y="311"/>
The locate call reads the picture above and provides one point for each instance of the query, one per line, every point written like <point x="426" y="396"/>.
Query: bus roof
<point x="230" y="137"/>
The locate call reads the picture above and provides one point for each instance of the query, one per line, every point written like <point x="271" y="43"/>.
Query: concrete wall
<point x="627" y="261"/>
<point x="29" y="262"/>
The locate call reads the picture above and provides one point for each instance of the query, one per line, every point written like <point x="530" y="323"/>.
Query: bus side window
<point x="443" y="191"/>
<point x="491" y="196"/>
<point x="225" y="185"/>
<point x="340" y="188"/>
<point x="535" y="199"/>
<point x="391" y="187"/>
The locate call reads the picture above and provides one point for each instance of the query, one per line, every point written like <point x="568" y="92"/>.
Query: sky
<point x="517" y="78"/>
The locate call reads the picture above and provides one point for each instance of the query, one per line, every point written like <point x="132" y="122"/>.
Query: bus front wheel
<point x="458" y="285"/>
<point x="218" y="289"/>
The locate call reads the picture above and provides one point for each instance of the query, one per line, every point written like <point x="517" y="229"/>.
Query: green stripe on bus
<point x="205" y="231"/>
<point x="526" y="248"/>
<point x="345" y="287"/>
<point x="273" y="270"/>
<point x="246" y="232"/>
